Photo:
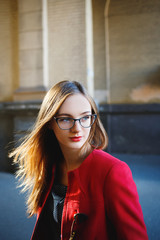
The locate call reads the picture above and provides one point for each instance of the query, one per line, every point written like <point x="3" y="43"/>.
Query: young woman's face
<point x="75" y="106"/>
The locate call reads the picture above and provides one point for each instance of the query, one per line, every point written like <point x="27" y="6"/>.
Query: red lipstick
<point x="76" y="139"/>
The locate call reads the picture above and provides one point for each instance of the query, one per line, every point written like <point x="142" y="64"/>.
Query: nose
<point x="76" y="127"/>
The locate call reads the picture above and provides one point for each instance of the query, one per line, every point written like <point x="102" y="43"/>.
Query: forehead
<point x="75" y="104"/>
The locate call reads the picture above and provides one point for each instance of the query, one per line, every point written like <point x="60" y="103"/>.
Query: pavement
<point x="15" y="225"/>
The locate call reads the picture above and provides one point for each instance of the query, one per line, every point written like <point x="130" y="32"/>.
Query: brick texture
<point x="67" y="46"/>
<point x="134" y="50"/>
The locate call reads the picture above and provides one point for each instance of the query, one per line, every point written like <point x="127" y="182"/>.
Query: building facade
<point x="112" y="47"/>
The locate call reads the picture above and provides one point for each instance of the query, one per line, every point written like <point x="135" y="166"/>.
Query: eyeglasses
<point x="66" y="123"/>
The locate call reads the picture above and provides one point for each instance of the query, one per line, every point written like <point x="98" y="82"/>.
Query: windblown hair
<point x="40" y="150"/>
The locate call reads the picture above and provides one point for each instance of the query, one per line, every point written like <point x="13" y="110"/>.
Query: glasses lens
<point x="87" y="121"/>
<point x="65" y="123"/>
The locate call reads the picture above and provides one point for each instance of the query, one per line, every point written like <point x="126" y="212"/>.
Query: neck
<point x="74" y="157"/>
<point x="72" y="160"/>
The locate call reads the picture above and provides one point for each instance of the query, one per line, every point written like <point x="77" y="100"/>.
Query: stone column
<point x="8" y="49"/>
<point x="70" y="42"/>
<point x="31" y="84"/>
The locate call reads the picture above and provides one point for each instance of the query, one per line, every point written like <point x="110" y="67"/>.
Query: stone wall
<point x="99" y="45"/>
<point x="112" y="47"/>
<point x="8" y="49"/>
<point x="67" y="41"/>
<point x="16" y="120"/>
<point x="131" y="129"/>
<point x="30" y="43"/>
<point x="134" y="51"/>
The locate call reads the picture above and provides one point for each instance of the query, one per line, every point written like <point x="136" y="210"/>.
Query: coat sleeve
<point x="122" y="204"/>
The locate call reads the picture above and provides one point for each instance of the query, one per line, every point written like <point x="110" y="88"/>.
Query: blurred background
<point x="110" y="46"/>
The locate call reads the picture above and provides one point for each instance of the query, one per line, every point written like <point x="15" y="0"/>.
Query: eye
<point x="64" y="120"/>
<point x="85" y="118"/>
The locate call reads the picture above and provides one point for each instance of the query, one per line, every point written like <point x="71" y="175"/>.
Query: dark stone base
<point x="131" y="128"/>
<point x="15" y="121"/>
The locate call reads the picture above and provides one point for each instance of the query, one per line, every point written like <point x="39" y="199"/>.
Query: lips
<point x="76" y="139"/>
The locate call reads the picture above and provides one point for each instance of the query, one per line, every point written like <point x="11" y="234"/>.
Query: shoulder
<point x="105" y="160"/>
<point x="108" y="165"/>
<point x="101" y="166"/>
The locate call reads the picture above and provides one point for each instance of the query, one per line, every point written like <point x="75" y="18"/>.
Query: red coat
<point x="102" y="190"/>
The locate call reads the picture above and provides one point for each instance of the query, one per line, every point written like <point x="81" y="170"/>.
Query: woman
<point x="77" y="190"/>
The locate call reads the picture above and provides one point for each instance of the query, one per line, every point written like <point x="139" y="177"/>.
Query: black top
<point x="58" y="194"/>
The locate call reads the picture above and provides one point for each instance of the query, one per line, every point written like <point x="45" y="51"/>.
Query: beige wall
<point x="8" y="49"/>
<point x="67" y="43"/>
<point x="125" y="53"/>
<point x="30" y="43"/>
<point x="134" y="40"/>
<point x="99" y="50"/>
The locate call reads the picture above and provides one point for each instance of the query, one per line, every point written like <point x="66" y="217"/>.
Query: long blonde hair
<point x="40" y="150"/>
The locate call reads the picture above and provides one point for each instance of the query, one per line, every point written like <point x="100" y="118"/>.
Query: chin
<point x="77" y="145"/>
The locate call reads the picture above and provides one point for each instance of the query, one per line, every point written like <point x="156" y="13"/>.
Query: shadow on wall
<point x="149" y="91"/>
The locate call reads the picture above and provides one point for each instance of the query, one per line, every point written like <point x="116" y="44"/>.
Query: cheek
<point x="87" y="132"/>
<point x="58" y="133"/>
<point x="60" y="137"/>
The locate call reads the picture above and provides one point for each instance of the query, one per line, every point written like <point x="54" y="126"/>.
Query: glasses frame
<point x="76" y="119"/>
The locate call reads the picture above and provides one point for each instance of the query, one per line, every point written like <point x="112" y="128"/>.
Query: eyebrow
<point x="69" y="115"/>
